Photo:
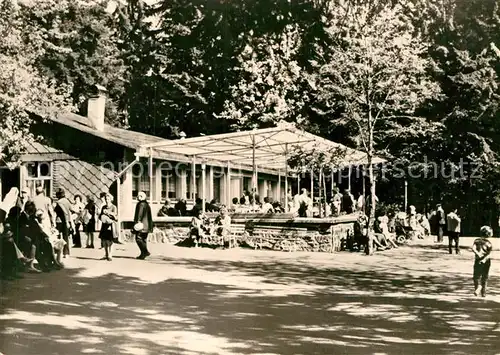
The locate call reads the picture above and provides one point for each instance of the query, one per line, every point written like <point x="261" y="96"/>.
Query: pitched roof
<point x="121" y="136"/>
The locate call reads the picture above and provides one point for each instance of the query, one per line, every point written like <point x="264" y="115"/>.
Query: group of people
<point x="202" y="227"/>
<point x="300" y="204"/>
<point x="38" y="230"/>
<point x="26" y="236"/>
<point x="179" y="209"/>
<point x="37" y="233"/>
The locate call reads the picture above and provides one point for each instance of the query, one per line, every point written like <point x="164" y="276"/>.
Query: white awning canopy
<point x="268" y="148"/>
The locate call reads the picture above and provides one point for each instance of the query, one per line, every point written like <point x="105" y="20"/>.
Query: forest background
<point x="415" y="81"/>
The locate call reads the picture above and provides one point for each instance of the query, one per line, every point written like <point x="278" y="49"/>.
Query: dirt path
<point x="415" y="300"/>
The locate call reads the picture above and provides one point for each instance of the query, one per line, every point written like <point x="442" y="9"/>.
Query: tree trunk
<point x="371" y="177"/>
<point x="320" y="204"/>
<point x="324" y="191"/>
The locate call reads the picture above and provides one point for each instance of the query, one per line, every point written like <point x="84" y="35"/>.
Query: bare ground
<point x="414" y="300"/>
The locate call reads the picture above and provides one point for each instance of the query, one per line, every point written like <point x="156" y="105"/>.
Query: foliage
<point x="79" y="48"/>
<point x="23" y="89"/>
<point x="315" y="158"/>
<point x="416" y="80"/>
<point x="270" y="88"/>
<point x="374" y="75"/>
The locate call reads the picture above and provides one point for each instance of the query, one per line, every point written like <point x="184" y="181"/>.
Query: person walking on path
<point x="440" y="222"/>
<point x="143" y="225"/>
<point x="453" y="224"/>
<point x="482" y="248"/>
<point x="108" y="217"/>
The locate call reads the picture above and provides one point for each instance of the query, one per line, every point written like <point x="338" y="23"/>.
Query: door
<point x="8" y="180"/>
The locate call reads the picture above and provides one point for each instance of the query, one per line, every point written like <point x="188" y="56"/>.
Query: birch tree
<point x="375" y="73"/>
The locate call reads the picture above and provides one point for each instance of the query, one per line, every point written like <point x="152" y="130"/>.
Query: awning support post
<point x="203" y="185"/>
<point x="228" y="189"/>
<point x="286" y="177"/>
<point x="312" y="186"/>
<point x="254" y="173"/>
<point x="150" y="173"/>
<point x="193" y="179"/>
<point x="349" y="179"/>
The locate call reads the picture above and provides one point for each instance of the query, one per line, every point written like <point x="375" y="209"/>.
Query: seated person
<point x="424" y="223"/>
<point x="213" y="206"/>
<point x="197" y="207"/>
<point x="242" y="206"/>
<point x="51" y="246"/>
<point x="278" y="208"/>
<point x="12" y="257"/>
<point x="235" y="206"/>
<point x="198" y="228"/>
<point x="360" y="232"/>
<point x="389" y="238"/>
<point x="303" y="208"/>
<point x="168" y="210"/>
<point x="400" y="223"/>
<point x="223" y="224"/>
<point x="27" y="236"/>
<point x="267" y="207"/>
<point x="181" y="207"/>
<point x="365" y="240"/>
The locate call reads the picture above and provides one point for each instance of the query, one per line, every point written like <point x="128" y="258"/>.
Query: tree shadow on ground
<point x="248" y="307"/>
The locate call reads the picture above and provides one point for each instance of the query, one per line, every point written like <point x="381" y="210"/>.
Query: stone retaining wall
<point x="323" y="240"/>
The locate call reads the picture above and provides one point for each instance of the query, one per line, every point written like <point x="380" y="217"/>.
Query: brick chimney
<point x="96" y="106"/>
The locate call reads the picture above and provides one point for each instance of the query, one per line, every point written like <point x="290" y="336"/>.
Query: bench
<point x="236" y="230"/>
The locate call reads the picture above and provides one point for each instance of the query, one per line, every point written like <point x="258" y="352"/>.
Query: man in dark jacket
<point x="143" y="224"/>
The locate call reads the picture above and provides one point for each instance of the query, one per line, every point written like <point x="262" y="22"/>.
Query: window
<point x="189" y="193"/>
<point x="217" y="189"/>
<point x="39" y="174"/>
<point x="247" y="183"/>
<point x="141" y="181"/>
<point x="168" y="184"/>
<point x="269" y="191"/>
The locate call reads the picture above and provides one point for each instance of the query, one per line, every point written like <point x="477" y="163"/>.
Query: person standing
<point x="89" y="221"/>
<point x="289" y="208"/>
<point x="77" y="211"/>
<point x="440" y="222"/>
<point x="99" y="205"/>
<point x="348" y="202"/>
<point x="453" y="224"/>
<point x="44" y="204"/>
<point x="337" y="202"/>
<point x="305" y="204"/>
<point x="108" y="217"/>
<point x="64" y="221"/>
<point x="360" y="203"/>
<point x="143" y="225"/>
<point x="482" y="248"/>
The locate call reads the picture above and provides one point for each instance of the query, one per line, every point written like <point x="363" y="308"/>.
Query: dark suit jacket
<point x="143" y="215"/>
